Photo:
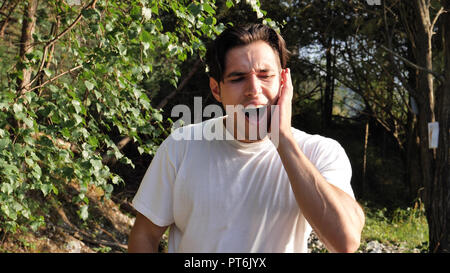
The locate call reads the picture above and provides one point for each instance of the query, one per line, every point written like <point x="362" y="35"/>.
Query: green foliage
<point x="403" y="226"/>
<point x="88" y="89"/>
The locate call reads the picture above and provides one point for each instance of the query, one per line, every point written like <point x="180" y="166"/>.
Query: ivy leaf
<point x="77" y="105"/>
<point x="147" y="13"/>
<point x="84" y="214"/>
<point x="157" y="116"/>
<point x="210" y="21"/>
<point x="195" y="9"/>
<point x="89" y="85"/>
<point x="17" y="108"/>
<point x="45" y="188"/>
<point x="6" y="188"/>
<point x="97" y="164"/>
<point x="93" y="141"/>
<point x="207" y="7"/>
<point x="47" y="72"/>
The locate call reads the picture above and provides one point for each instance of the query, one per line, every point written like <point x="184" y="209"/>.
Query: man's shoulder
<point x="193" y="131"/>
<point x="304" y="138"/>
<point x="319" y="148"/>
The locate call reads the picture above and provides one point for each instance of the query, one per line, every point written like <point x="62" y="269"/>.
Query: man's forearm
<point x="139" y="243"/>
<point x="335" y="216"/>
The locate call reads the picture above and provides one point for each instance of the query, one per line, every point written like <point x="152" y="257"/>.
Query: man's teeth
<point x="252" y="107"/>
<point x="258" y="109"/>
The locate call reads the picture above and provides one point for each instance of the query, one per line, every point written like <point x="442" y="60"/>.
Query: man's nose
<point x="253" y="86"/>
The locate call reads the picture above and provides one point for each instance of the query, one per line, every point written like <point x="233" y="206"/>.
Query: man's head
<point x="245" y="66"/>
<point x="239" y="36"/>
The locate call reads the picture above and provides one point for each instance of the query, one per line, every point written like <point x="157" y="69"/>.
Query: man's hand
<point x="284" y="104"/>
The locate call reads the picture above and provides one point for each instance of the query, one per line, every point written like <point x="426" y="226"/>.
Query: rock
<point x="74" y="246"/>
<point x="315" y="245"/>
<point x="374" y="247"/>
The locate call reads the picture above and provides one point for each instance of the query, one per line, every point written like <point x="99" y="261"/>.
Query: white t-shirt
<point x="230" y="196"/>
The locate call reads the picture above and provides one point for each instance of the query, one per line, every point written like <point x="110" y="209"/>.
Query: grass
<point x="405" y="227"/>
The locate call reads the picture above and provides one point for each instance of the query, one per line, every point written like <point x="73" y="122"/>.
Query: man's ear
<point x="215" y="89"/>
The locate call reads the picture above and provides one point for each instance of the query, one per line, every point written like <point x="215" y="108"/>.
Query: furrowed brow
<point x="240" y="74"/>
<point x="236" y="74"/>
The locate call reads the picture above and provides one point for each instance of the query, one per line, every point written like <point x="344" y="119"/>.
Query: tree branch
<point x="89" y="6"/>
<point x="441" y="10"/>
<point x="62" y="144"/>
<point x="4" y="23"/>
<point x="59" y="36"/>
<point x="438" y="76"/>
<point x="56" y="77"/>
<point x="182" y="84"/>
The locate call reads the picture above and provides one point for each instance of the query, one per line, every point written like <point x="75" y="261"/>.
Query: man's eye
<point x="237" y="79"/>
<point x="266" y="76"/>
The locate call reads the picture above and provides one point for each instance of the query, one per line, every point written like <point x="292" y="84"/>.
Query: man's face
<point x="251" y="77"/>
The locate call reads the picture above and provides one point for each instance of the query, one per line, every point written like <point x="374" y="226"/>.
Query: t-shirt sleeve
<point x="154" y="198"/>
<point x="334" y="165"/>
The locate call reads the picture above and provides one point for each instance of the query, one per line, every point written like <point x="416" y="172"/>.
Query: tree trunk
<point x="434" y="162"/>
<point x="439" y="199"/>
<point x="366" y="138"/>
<point x="329" y="86"/>
<point x="26" y="43"/>
<point x="413" y="175"/>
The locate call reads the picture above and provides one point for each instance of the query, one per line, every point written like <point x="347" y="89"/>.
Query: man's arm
<point x="144" y="236"/>
<point x="335" y="216"/>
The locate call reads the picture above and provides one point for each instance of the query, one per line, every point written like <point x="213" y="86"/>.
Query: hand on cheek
<point x="285" y="102"/>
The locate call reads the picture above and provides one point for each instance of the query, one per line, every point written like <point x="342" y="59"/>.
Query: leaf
<point x="68" y="172"/>
<point x="136" y="13"/>
<point x="108" y="188"/>
<point x="76" y="104"/>
<point x="147" y="13"/>
<point x="195" y="9"/>
<point x="47" y="72"/>
<point x="29" y="162"/>
<point x="7" y="188"/>
<point x="17" y="108"/>
<point x="78" y="119"/>
<point x="97" y="164"/>
<point x="28" y="122"/>
<point x="207" y="7"/>
<point x="210" y="21"/>
<point x="84" y="214"/>
<point x="157" y="116"/>
<point x="89" y="85"/>
<point x="93" y="141"/>
<point x="145" y="36"/>
<point x="4" y="143"/>
<point x="45" y="188"/>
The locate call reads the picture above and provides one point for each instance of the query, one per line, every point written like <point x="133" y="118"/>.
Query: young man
<point x="244" y="194"/>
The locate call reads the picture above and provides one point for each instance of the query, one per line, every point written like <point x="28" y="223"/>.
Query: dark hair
<point x="239" y="36"/>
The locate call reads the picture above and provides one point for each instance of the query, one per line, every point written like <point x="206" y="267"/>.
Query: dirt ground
<point x="106" y="230"/>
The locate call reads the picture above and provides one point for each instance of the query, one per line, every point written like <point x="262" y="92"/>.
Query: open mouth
<point x="255" y="113"/>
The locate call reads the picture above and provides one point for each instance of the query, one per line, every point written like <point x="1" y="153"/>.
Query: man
<point x="245" y="194"/>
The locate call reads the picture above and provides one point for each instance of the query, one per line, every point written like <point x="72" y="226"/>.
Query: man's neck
<point x="234" y="133"/>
